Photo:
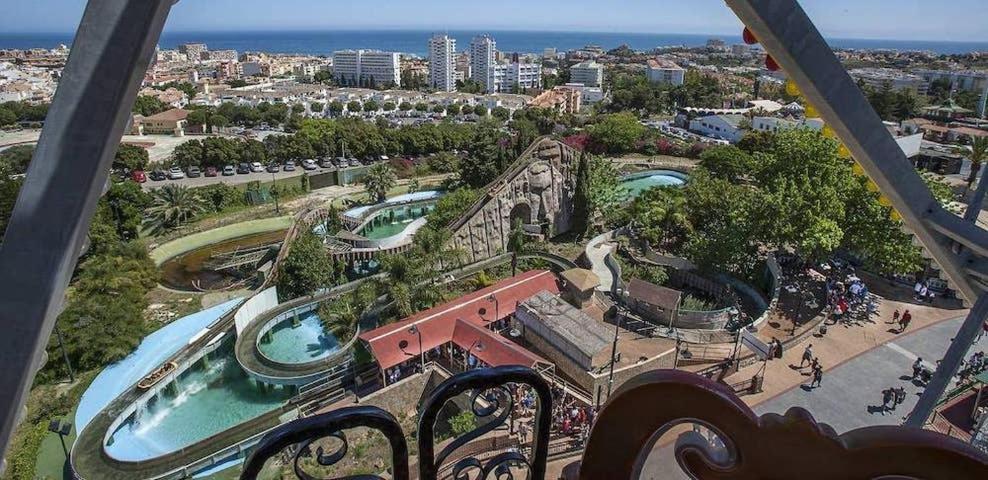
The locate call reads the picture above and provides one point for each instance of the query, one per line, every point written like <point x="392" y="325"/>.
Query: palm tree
<point x="977" y="155"/>
<point x="401" y="282"/>
<point x="172" y="205"/>
<point x="380" y="178"/>
<point x="516" y="242"/>
<point x="341" y="317"/>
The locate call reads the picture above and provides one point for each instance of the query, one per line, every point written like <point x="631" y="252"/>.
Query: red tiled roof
<point x="438" y="324"/>
<point x="496" y="350"/>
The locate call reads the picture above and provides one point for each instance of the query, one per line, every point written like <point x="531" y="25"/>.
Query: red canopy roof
<point x="438" y="325"/>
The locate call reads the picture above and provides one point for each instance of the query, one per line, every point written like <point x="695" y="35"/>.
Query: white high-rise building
<point x="442" y="63"/>
<point x="367" y="68"/>
<point x="508" y="76"/>
<point x="588" y="73"/>
<point x="483" y="56"/>
<point x="660" y="70"/>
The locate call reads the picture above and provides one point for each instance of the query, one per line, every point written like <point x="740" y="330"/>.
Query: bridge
<point x="252" y="256"/>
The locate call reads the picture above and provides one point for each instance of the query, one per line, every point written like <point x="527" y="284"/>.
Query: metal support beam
<point x="111" y="52"/>
<point x="788" y="35"/>
<point x="951" y="362"/>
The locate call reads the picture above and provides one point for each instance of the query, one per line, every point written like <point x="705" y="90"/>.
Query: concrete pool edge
<point x="168" y="250"/>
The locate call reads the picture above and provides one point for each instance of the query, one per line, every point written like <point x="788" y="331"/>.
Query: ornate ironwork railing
<point x="491" y="401"/>
<point x="738" y="444"/>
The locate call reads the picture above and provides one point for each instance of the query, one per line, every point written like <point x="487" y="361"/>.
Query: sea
<point x="416" y="41"/>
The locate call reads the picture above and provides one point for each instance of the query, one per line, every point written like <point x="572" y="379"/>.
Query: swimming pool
<point x="305" y="342"/>
<point x="391" y="221"/>
<point x="637" y="183"/>
<point x="211" y="396"/>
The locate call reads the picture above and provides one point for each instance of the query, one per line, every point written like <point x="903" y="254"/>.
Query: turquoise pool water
<point x="637" y="183"/>
<point x="298" y="344"/>
<point x="391" y="221"/>
<point x="207" y="399"/>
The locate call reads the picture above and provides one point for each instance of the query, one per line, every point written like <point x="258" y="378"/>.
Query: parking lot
<point x="236" y="179"/>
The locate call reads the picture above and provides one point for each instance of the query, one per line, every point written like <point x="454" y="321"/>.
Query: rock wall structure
<point x="537" y="189"/>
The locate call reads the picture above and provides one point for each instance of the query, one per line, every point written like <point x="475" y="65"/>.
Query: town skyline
<point x="844" y="19"/>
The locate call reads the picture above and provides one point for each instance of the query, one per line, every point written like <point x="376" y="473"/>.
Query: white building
<point x="588" y="95"/>
<point x="660" y="70"/>
<point x="775" y="124"/>
<point x="221" y="55"/>
<point x="727" y="127"/>
<point x="588" y="73"/>
<point x="193" y="51"/>
<point x="880" y="77"/>
<point x="367" y="67"/>
<point x="968" y="80"/>
<point x="442" y="62"/>
<point x="520" y="75"/>
<point x="483" y="55"/>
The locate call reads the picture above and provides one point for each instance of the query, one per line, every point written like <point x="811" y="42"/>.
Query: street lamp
<point x="617" y="326"/>
<point x="274" y="193"/>
<point x="497" y="310"/>
<point x="62" y="429"/>
<point x="415" y="330"/>
<point x="65" y="354"/>
<point x="476" y="344"/>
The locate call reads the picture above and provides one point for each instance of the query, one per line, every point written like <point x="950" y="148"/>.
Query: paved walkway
<point x="859" y="362"/>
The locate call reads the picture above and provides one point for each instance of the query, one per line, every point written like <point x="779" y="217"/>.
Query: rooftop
<point x="579" y="329"/>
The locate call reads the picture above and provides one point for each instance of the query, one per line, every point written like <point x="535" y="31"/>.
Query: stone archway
<point x="521" y="211"/>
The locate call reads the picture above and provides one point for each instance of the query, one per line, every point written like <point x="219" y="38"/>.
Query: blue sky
<point x="963" y="20"/>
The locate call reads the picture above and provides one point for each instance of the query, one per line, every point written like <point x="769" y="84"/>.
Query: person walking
<point x="898" y="396"/>
<point x="807" y="356"/>
<point x="904" y="321"/>
<point x="817" y="377"/>
<point x="887" y="397"/>
<point x="917" y="368"/>
<point x="895" y="317"/>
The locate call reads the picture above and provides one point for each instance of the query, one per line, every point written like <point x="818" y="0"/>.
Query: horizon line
<point x="478" y="29"/>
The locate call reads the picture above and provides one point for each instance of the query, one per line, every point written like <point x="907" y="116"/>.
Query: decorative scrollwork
<point x="793" y="445"/>
<point x="489" y="386"/>
<point x="304" y="432"/>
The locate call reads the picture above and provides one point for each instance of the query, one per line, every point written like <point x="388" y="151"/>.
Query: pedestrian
<point x="904" y="321"/>
<point x="807" y="356"/>
<point x="899" y="396"/>
<point x="815" y="363"/>
<point x="817" y="377"/>
<point x="895" y="316"/>
<point x="917" y="368"/>
<point x="778" y="347"/>
<point x="887" y="397"/>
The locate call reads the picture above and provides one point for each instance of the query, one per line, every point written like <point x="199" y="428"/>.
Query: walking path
<point x="597" y="249"/>
<point x="859" y="362"/>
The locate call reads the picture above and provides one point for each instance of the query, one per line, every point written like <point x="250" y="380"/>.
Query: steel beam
<point x="112" y="49"/>
<point x="788" y="35"/>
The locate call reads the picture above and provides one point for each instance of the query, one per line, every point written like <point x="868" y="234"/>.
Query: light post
<point x="497" y="310"/>
<point x="65" y="354"/>
<point x="415" y="330"/>
<point x="476" y="344"/>
<point x="274" y="193"/>
<point x="62" y="429"/>
<point x="610" y="376"/>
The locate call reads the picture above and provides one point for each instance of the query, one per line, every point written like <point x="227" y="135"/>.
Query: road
<point x="233" y="179"/>
<point x="850" y="394"/>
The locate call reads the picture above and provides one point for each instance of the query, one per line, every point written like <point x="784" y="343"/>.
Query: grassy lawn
<point x="51" y="458"/>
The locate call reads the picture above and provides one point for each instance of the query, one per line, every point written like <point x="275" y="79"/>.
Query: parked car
<point x="256" y="167"/>
<point x="340" y="162"/>
<point x="158" y="175"/>
<point x="194" y="172"/>
<point x="326" y="163"/>
<point x="211" y="171"/>
<point x="243" y="168"/>
<point x="309" y="164"/>
<point x="290" y="166"/>
<point x="229" y="170"/>
<point x="175" y="173"/>
<point x="274" y="167"/>
<point x="138" y="176"/>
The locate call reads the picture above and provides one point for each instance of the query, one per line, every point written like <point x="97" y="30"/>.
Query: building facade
<point x="367" y="68"/>
<point x="590" y="74"/>
<point x="664" y="72"/>
<point x="442" y="67"/>
<point x="878" y="78"/>
<point x="193" y="51"/>
<point x="971" y="81"/>
<point x="483" y="56"/>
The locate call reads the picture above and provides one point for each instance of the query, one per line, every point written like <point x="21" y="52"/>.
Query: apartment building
<point x="967" y="80"/>
<point x="662" y="71"/>
<point x="895" y="79"/>
<point x="442" y="57"/>
<point x="193" y="51"/>
<point x="508" y="77"/>
<point x="220" y="55"/>
<point x="367" y="67"/>
<point x="483" y="56"/>
<point x="588" y="73"/>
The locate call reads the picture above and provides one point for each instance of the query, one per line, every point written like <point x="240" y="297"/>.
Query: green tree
<point x="130" y="157"/>
<point x="443" y="162"/>
<point x="379" y="179"/>
<point x="605" y="192"/>
<point x="405" y="106"/>
<point x="7" y="117"/>
<point x="438" y="109"/>
<point x="388" y="106"/>
<point x="977" y="155"/>
<point x="126" y="202"/>
<point x="451" y="206"/>
<point x="727" y="162"/>
<point x="354" y="106"/>
<point x="466" y="109"/>
<point x="17" y="158"/>
<point x="581" y="198"/>
<point x="172" y="206"/>
<point x="516" y="244"/>
<point x="488" y="157"/>
<point x="147" y="105"/>
<point x="617" y="133"/>
<point x="317" y="107"/>
<point x="453" y="109"/>
<point x="307" y="268"/>
<point x="371" y="106"/>
<point x="336" y="108"/>
<point x="480" y="110"/>
<point x="501" y="113"/>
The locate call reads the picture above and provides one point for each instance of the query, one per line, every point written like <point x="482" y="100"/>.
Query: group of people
<point x="974" y="365"/>
<point x="892" y="397"/>
<point x="569" y="418"/>
<point x="846" y="296"/>
<point x="816" y="370"/>
<point x="902" y="320"/>
<point x="922" y="292"/>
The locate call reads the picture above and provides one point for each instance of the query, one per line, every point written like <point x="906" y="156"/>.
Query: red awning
<point x="437" y="325"/>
